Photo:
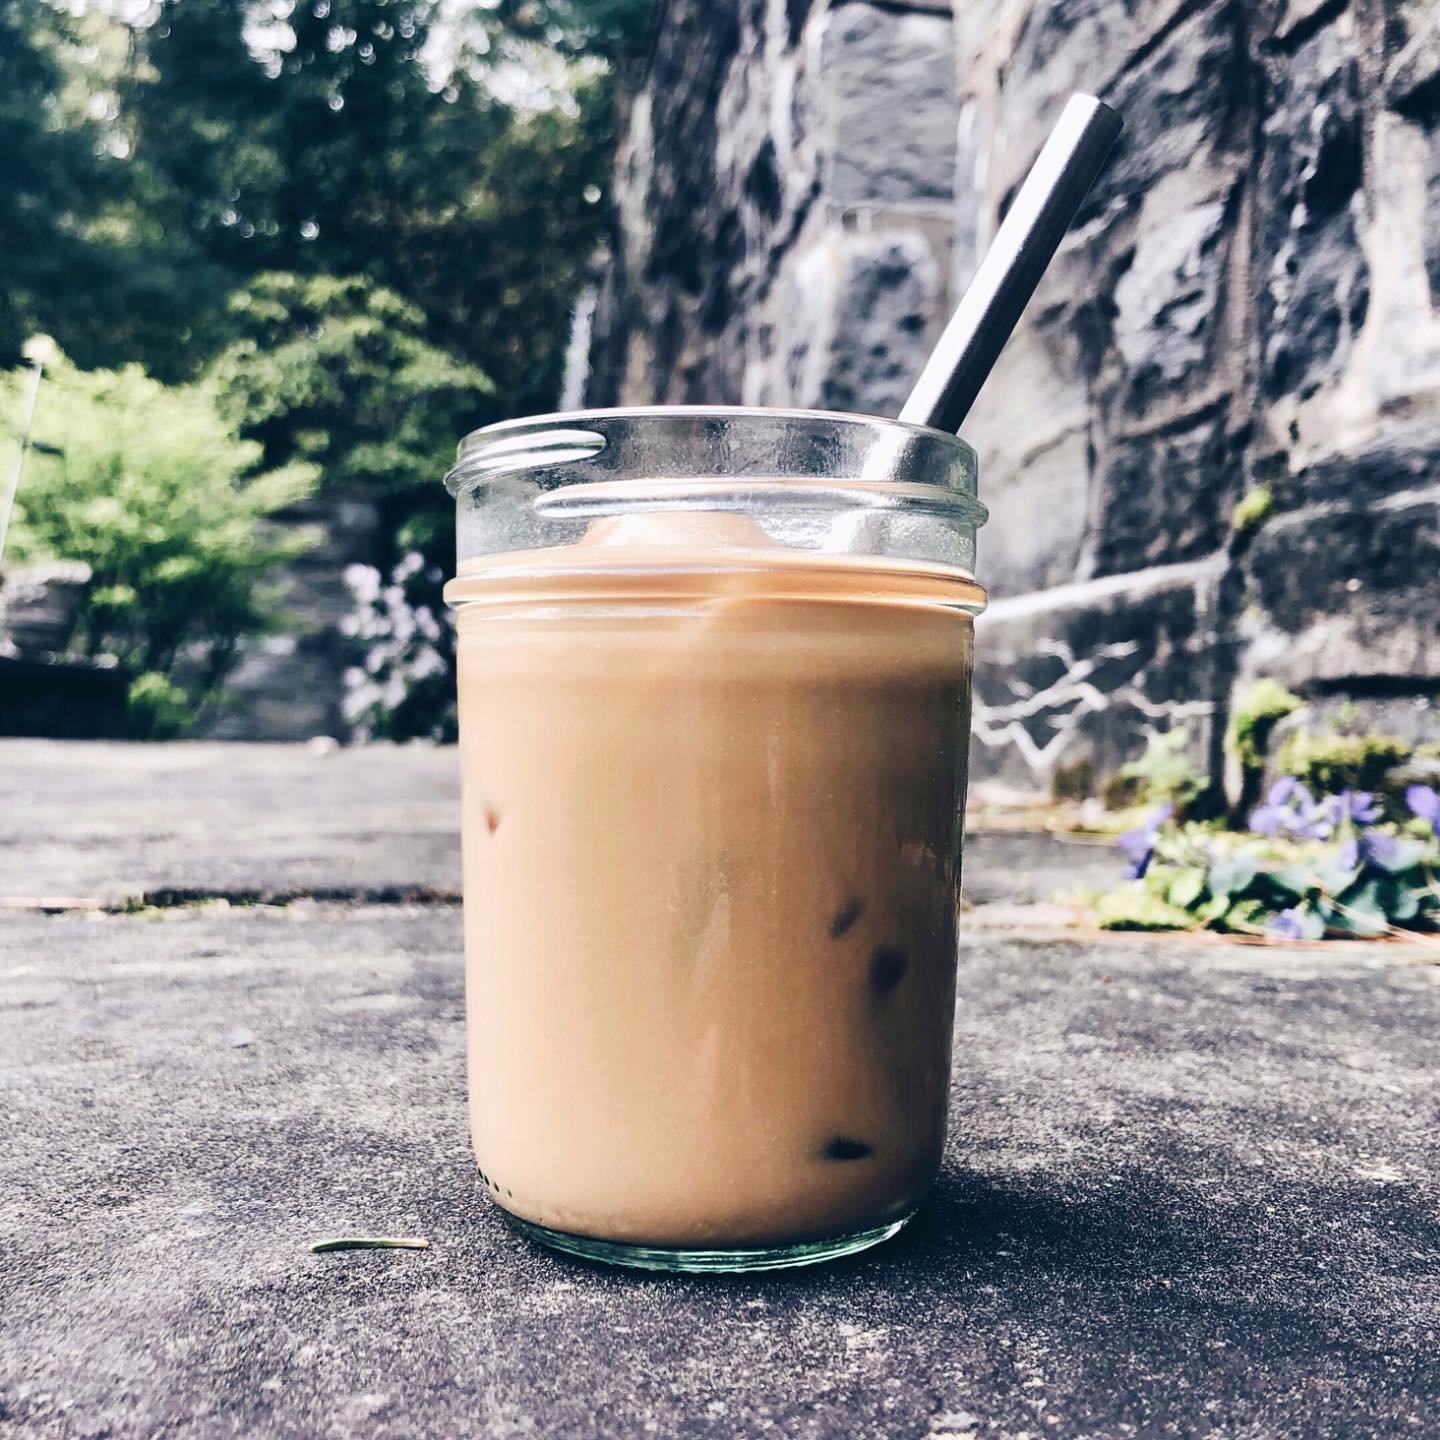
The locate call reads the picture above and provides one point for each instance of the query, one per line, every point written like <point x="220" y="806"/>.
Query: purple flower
<point x="1138" y="845"/>
<point x="1287" y="925"/>
<point x="1348" y="856"/>
<point x="1271" y="817"/>
<point x="1290" y="809"/>
<point x="1380" y="849"/>
<point x="1424" y="803"/>
<point x="1356" y="806"/>
<point x="1314" y="825"/>
<point x="1265" y="820"/>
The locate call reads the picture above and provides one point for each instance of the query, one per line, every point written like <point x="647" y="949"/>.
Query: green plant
<point x="1327" y="762"/>
<point x="1252" y="510"/>
<point x="150" y="487"/>
<point x="1255" y="715"/>
<point x="156" y="707"/>
<point x="387" y="139"/>
<point x="1309" y="869"/>
<point x="1247" y="738"/>
<point x="1165" y="771"/>
<point x="1138" y="907"/>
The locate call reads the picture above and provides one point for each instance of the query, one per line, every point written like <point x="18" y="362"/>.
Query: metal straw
<point x="1026" y="242"/>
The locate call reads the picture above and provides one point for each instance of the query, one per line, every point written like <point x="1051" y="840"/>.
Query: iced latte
<point x="712" y="796"/>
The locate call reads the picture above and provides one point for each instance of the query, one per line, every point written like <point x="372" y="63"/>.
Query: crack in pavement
<point x="179" y="897"/>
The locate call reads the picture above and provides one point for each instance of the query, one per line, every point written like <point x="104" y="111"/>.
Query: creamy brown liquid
<point x="712" y="806"/>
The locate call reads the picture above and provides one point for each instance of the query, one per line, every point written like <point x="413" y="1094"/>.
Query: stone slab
<point x="1009" y="867"/>
<point x="115" y="824"/>
<point x="1189" y="1191"/>
<point x="1077" y="675"/>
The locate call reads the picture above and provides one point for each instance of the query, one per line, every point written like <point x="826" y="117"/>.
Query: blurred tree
<point x="337" y="372"/>
<point x="327" y="143"/>
<point x="617" y="30"/>
<point x="50" y="173"/>
<point x="186" y="193"/>
<point x="87" y="253"/>
<point x="196" y="105"/>
<point x="151" y="488"/>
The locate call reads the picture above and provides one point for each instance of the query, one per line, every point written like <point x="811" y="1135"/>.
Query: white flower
<point x="404" y="644"/>
<point x="427" y="663"/>
<point x="363" y="582"/>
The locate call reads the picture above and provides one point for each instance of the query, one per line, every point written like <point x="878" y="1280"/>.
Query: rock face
<point x="1248" y="302"/>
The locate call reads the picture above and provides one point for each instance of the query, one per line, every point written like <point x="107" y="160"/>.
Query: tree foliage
<point x="337" y="372"/>
<point x="150" y="486"/>
<point x="50" y="173"/>
<point x="618" y="30"/>
<point x="326" y="144"/>
<point x="343" y="232"/>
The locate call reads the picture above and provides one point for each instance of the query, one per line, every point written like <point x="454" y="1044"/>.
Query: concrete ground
<point x="112" y="824"/>
<point x="1190" y="1189"/>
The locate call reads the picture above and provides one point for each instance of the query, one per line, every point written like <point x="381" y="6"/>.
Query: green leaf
<point x="1297" y="880"/>
<point x="1312" y="924"/>
<point x="114" y="597"/>
<point x="1247" y="916"/>
<point x="1165" y="771"/>
<point x="1132" y="907"/>
<point x="1402" y="902"/>
<point x="1186" y="887"/>
<point x="1232" y="874"/>
<point x="1360" y="911"/>
<point x="1213" y="909"/>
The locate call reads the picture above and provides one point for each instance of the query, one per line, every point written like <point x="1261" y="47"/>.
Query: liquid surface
<point x="712" y="832"/>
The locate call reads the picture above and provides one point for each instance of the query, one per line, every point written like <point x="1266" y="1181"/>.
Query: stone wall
<point x="1246" y="310"/>
<point x="290" y="685"/>
<point x="41" y="692"/>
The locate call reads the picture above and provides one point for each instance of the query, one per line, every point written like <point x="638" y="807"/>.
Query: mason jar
<point x="714" y="683"/>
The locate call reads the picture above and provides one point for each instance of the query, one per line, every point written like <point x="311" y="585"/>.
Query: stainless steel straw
<point x="1026" y="242"/>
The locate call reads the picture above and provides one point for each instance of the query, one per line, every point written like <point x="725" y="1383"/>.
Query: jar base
<point x="709" y="1261"/>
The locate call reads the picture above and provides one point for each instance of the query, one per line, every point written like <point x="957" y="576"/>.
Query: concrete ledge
<point x="1076" y="675"/>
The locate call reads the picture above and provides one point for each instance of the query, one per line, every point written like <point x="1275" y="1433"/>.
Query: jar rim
<point x="495" y="447"/>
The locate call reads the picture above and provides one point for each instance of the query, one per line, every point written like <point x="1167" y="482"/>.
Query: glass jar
<point x="714" y="673"/>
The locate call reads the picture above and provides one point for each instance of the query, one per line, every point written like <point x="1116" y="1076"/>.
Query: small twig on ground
<point x="370" y="1242"/>
<point x="1396" y="932"/>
